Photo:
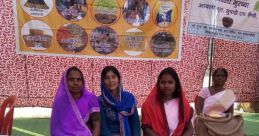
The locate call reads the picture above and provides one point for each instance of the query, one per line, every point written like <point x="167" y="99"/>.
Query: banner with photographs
<point x="126" y="29"/>
<point x="226" y="19"/>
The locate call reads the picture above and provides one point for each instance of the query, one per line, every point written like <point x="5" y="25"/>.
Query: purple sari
<point x="69" y="116"/>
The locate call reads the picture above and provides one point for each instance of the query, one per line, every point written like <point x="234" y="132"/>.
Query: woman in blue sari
<point x="119" y="115"/>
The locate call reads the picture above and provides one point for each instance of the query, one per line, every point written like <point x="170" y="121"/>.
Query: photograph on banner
<point x="72" y="37"/>
<point x="37" y="35"/>
<point x="105" y="11"/>
<point x="162" y="44"/>
<point x="166" y="13"/>
<point x="104" y="40"/>
<point x="121" y="29"/>
<point x="225" y="19"/>
<point x="72" y="10"/>
<point x="134" y="42"/>
<point x="136" y="12"/>
<point x="36" y="8"/>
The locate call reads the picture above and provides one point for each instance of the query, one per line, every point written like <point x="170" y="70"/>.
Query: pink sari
<point x="154" y="116"/>
<point x="217" y="104"/>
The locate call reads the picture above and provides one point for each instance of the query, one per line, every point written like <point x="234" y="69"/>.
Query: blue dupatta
<point x="124" y="106"/>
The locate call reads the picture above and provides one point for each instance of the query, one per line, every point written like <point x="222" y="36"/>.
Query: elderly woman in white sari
<point x="216" y="100"/>
<point x="214" y="107"/>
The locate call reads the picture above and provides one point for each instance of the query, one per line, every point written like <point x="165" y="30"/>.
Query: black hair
<point x="74" y="68"/>
<point x="110" y="68"/>
<point x="172" y="72"/>
<point x="218" y="69"/>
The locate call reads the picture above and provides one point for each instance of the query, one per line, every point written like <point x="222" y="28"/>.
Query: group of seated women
<point x="165" y="112"/>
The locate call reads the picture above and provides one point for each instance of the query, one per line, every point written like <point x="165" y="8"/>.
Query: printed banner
<point x="127" y="29"/>
<point x="225" y="19"/>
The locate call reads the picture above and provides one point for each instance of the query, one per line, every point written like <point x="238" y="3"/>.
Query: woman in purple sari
<point x="75" y="110"/>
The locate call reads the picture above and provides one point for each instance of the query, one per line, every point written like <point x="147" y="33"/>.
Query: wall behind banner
<point x="34" y="79"/>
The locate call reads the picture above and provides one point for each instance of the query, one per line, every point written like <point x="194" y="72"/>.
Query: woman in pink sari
<point x="75" y="110"/>
<point x="216" y="100"/>
<point x="166" y="111"/>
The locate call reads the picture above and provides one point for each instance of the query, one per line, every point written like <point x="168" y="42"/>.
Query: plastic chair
<point x="6" y="120"/>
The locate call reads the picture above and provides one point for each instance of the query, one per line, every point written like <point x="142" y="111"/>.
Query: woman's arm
<point x="199" y="105"/>
<point x="135" y="123"/>
<point x="147" y="131"/>
<point x="95" y="118"/>
<point x="188" y="131"/>
<point x="230" y="109"/>
<point x="146" y="121"/>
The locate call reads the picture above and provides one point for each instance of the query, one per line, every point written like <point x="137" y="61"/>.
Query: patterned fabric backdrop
<point x="242" y="62"/>
<point x="34" y="79"/>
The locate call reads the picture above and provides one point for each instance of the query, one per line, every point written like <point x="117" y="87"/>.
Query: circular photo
<point x="227" y="22"/>
<point x="104" y="40"/>
<point x="162" y="44"/>
<point x="72" y="37"/>
<point x="134" y="42"/>
<point x="136" y="12"/>
<point x="37" y="35"/>
<point x="165" y="13"/>
<point x="105" y="11"/>
<point x="72" y="10"/>
<point x="37" y="8"/>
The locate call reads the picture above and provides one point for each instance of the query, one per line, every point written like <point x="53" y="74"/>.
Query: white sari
<point x="217" y="104"/>
<point x="218" y="123"/>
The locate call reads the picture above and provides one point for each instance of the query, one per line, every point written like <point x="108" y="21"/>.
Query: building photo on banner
<point x="143" y="29"/>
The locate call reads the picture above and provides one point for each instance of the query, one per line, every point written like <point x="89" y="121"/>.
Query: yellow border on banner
<point x="54" y="21"/>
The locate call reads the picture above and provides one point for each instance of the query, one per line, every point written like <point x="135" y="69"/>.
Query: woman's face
<point x="167" y="85"/>
<point x="220" y="78"/>
<point x="74" y="81"/>
<point x="111" y="81"/>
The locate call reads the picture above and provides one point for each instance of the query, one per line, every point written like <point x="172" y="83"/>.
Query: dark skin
<point x="96" y="127"/>
<point x="219" y="80"/>
<point x="94" y="117"/>
<point x="147" y="131"/>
